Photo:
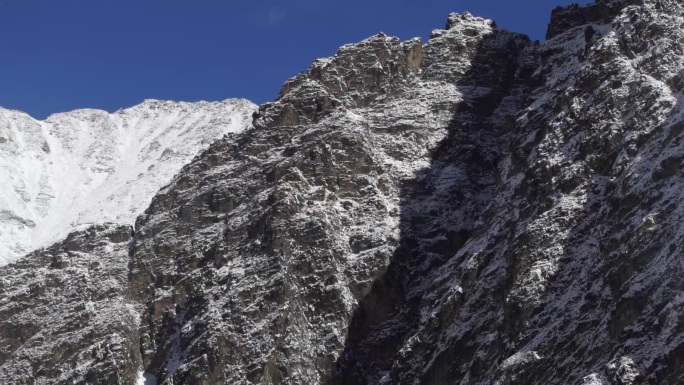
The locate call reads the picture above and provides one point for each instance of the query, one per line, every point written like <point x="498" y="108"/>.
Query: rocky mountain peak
<point x="565" y="18"/>
<point x="358" y="75"/>
<point x="467" y="18"/>
<point x="603" y="12"/>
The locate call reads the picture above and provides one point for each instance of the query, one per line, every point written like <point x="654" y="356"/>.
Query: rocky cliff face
<point x="65" y="319"/>
<point x="569" y="275"/>
<point x="258" y="255"/>
<point x="480" y="209"/>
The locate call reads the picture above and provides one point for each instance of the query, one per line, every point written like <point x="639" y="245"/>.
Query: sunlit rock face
<point x="475" y="209"/>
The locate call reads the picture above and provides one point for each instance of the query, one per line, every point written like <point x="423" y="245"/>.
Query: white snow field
<point x="88" y="166"/>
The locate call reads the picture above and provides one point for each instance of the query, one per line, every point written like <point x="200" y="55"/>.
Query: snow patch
<point x="146" y="379"/>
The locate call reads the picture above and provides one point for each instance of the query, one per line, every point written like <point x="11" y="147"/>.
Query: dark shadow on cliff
<point x="595" y="276"/>
<point x="439" y="208"/>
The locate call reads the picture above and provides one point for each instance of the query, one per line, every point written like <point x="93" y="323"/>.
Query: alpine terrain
<point x="478" y="208"/>
<point x="86" y="167"/>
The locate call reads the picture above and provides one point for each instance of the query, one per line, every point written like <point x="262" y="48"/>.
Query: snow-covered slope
<point x="89" y="166"/>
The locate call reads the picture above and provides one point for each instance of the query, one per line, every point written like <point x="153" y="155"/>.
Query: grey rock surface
<point x="571" y="274"/>
<point x="478" y="209"/>
<point x="258" y="254"/>
<point x="65" y="319"/>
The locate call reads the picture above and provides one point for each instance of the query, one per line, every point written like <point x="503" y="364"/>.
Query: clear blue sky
<point x="59" y="55"/>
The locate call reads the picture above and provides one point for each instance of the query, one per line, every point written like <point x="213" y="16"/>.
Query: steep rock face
<point x="87" y="167"/>
<point x="480" y="209"/>
<point x="64" y="317"/>
<point x="257" y="255"/>
<point x="571" y="275"/>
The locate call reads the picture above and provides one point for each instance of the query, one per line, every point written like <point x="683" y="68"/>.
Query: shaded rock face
<point x="480" y="209"/>
<point x="565" y="18"/>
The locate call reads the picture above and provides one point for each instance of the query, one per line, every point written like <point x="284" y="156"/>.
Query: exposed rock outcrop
<point x="64" y="316"/>
<point x="273" y="237"/>
<point x="569" y="275"/>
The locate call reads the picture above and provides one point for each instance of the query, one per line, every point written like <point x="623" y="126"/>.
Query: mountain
<point x="478" y="209"/>
<point x="88" y="167"/>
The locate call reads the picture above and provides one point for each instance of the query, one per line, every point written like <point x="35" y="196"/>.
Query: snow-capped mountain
<point x="86" y="167"/>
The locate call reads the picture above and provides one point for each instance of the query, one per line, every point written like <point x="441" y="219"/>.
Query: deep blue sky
<point x="59" y="55"/>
